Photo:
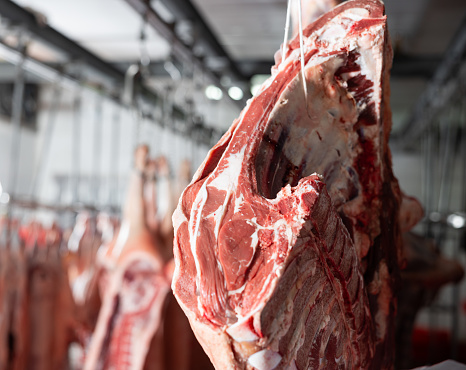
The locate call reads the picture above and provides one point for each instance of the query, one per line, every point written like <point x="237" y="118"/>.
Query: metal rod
<point x="97" y="147"/>
<point x="429" y="163"/>
<point x="445" y="163"/>
<point x="115" y="154"/>
<point x="463" y="152"/>
<point x="455" y="315"/>
<point x="76" y="146"/>
<point x="17" y="14"/>
<point x="179" y="49"/>
<point x="16" y="115"/>
<point x="47" y="141"/>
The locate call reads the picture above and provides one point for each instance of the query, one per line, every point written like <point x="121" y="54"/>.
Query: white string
<point x="301" y="49"/>
<point x="287" y="29"/>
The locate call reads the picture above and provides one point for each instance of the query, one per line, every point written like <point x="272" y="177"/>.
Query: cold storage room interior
<point x="110" y="109"/>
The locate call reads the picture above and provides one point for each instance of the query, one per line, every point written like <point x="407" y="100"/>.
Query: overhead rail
<point x="28" y="21"/>
<point x="185" y="10"/>
<point x="185" y="52"/>
<point x="449" y="78"/>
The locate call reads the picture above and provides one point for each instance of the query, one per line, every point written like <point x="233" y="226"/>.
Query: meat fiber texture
<point x="286" y="240"/>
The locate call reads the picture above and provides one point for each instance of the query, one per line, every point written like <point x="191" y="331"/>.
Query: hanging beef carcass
<point x="52" y="311"/>
<point x="18" y="317"/>
<point x="135" y="290"/>
<point x="4" y="296"/>
<point x="286" y="240"/>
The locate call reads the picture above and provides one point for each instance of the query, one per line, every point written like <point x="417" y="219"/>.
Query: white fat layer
<point x="312" y="137"/>
<point x="193" y="227"/>
<point x="241" y="331"/>
<point x="237" y="291"/>
<point x="370" y="61"/>
<point x="337" y="28"/>
<point x="265" y="360"/>
<point x="227" y="180"/>
<point x="239" y="201"/>
<point x="228" y="177"/>
<point x="122" y="237"/>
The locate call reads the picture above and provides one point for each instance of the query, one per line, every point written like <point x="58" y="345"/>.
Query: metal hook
<point x="16" y="115"/>
<point x="46" y="145"/>
<point x="129" y="86"/>
<point x="144" y="51"/>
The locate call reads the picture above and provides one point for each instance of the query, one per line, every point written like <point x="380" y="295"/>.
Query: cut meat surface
<point x="286" y="240"/>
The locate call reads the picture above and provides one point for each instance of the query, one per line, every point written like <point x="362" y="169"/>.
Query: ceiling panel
<point x="248" y="29"/>
<point x="109" y="28"/>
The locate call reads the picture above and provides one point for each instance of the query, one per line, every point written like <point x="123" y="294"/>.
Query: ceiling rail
<point x="185" y="52"/>
<point x="28" y="21"/>
<point x="448" y="78"/>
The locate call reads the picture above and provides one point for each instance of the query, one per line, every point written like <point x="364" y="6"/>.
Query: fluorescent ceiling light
<point x="213" y="92"/>
<point x="235" y="93"/>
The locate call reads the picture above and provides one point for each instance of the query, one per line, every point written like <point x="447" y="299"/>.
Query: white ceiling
<point x="248" y="29"/>
<point x="109" y="28"/>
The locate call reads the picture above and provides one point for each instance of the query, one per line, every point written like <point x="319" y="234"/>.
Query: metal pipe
<point x="76" y="146"/>
<point x="17" y="14"/>
<point x="46" y="144"/>
<point x="115" y="154"/>
<point x="445" y="164"/>
<point x="179" y="49"/>
<point x="16" y="115"/>
<point x="97" y="148"/>
<point x="429" y="186"/>
<point x="460" y="151"/>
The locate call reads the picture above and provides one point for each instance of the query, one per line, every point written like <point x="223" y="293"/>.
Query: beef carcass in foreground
<point x="286" y="240"/>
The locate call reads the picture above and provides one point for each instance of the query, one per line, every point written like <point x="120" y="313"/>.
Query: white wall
<point x="60" y="151"/>
<point x="26" y="161"/>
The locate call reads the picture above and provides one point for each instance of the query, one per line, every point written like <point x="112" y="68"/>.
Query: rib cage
<point x="325" y="265"/>
<point x="238" y="243"/>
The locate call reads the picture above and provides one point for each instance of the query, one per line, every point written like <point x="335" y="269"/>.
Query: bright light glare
<point x="4" y="198"/>
<point x="435" y="217"/>
<point x="213" y="92"/>
<point x="255" y="89"/>
<point x="457" y="221"/>
<point x="256" y="83"/>
<point x="235" y="93"/>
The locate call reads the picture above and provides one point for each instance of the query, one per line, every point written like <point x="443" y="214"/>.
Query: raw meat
<point x="136" y="289"/>
<point x="277" y="267"/>
<point x="51" y="308"/>
<point x="4" y="296"/>
<point x="19" y="331"/>
<point x="411" y="212"/>
<point x="131" y="311"/>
